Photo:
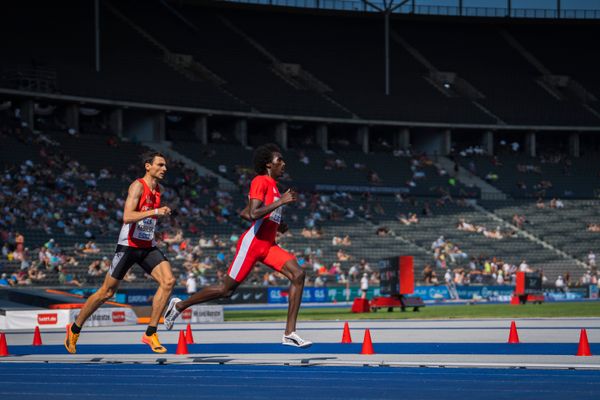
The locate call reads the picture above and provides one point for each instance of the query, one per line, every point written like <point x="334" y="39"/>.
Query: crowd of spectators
<point x="496" y="233"/>
<point x="59" y="196"/>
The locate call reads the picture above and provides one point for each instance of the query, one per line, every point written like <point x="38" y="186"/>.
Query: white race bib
<point x="276" y="215"/>
<point x="144" y="229"/>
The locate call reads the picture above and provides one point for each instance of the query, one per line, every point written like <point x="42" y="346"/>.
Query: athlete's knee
<point x="298" y="277"/>
<point x="168" y="283"/>
<point x="106" y="293"/>
<point x="227" y="292"/>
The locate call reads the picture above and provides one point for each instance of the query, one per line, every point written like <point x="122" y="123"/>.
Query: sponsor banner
<point x="119" y="297"/>
<point x="279" y="295"/>
<point x="29" y="319"/>
<point x="577" y="293"/>
<point x="485" y="292"/>
<point x="593" y="291"/>
<point x="361" y="189"/>
<point x="246" y="295"/>
<point x="3" y="326"/>
<point x="110" y="316"/>
<point x="143" y="297"/>
<point x="432" y="292"/>
<point x="201" y="314"/>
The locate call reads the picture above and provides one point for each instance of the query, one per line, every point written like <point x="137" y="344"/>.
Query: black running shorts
<point x="126" y="256"/>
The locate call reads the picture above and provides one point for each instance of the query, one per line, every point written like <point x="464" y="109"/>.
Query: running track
<point x="124" y="381"/>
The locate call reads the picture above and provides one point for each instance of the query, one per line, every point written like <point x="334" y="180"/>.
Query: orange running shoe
<point x="154" y="343"/>
<point x="71" y="340"/>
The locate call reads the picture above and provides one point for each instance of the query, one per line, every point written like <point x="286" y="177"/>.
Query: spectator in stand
<point x="65" y="278"/>
<point x="567" y="278"/>
<point x="129" y="276"/>
<point x="524" y="267"/>
<point x="191" y="285"/>
<point x="353" y="273"/>
<point x="5" y="280"/>
<point x="343" y="256"/>
<point x="339" y="241"/>
<point x="95" y="269"/>
<point x="364" y="285"/>
<point x="500" y="277"/>
<point x="427" y="210"/>
<point x="429" y="275"/>
<point x="560" y="283"/>
<point x="408" y="220"/>
<point x="374" y="178"/>
<point x="519" y="220"/>
<point x="303" y="158"/>
<point x="591" y="259"/>
<point x="448" y="277"/>
<point x="34" y="274"/>
<point x="19" y="243"/>
<point x="319" y="281"/>
<point x="384" y="231"/>
<point x="586" y="279"/>
<point x="593" y="227"/>
<point x="540" y="203"/>
<point x="91" y="248"/>
<point x="557" y="203"/>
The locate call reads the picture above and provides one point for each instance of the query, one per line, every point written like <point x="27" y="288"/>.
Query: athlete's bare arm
<point x="133" y="198"/>
<point x="244" y="214"/>
<point x="283" y="227"/>
<point x="256" y="210"/>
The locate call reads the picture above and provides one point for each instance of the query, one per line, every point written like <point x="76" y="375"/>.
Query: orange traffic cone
<point x="3" y="346"/>
<point x="346" y="338"/>
<point x="513" y="337"/>
<point x="367" y="347"/>
<point x="584" y="345"/>
<point x="37" y="337"/>
<point x="181" y="345"/>
<point x="189" y="338"/>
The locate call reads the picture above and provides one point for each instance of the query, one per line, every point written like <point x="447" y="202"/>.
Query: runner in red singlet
<point x="264" y="210"/>
<point x="136" y="245"/>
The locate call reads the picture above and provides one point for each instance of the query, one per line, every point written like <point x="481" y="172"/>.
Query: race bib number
<point x="276" y="215"/>
<point x="144" y="229"/>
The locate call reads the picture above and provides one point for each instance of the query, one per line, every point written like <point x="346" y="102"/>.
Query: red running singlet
<point x="141" y="233"/>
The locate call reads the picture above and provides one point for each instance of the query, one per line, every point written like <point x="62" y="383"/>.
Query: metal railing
<point x="490" y="12"/>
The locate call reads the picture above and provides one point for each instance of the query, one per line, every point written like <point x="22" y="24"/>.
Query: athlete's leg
<point x="248" y="252"/>
<point x="163" y="275"/>
<point x="296" y="275"/>
<point x="209" y="293"/>
<point x="106" y="291"/>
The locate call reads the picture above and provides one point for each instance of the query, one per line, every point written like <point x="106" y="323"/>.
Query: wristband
<point x="156" y="211"/>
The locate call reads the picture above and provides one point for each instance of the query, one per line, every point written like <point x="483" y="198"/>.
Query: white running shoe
<point x="171" y="314"/>
<point x="295" y="341"/>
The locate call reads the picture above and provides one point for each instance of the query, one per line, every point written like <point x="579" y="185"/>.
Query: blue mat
<point x="323" y="348"/>
<point x="97" y="381"/>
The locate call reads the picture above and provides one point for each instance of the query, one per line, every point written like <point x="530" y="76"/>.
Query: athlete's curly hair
<point x="264" y="155"/>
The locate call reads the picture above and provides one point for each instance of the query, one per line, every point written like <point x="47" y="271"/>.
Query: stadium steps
<point x="470" y="89"/>
<point x="549" y="81"/>
<point x="302" y="79"/>
<point x="192" y="70"/>
<point x="532" y="237"/>
<point x="487" y="191"/>
<point x="166" y="149"/>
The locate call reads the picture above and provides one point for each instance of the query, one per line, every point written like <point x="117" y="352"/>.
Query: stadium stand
<point x="311" y="72"/>
<point x="62" y="189"/>
<point x="555" y="175"/>
<point x="373" y="223"/>
<point x="130" y="63"/>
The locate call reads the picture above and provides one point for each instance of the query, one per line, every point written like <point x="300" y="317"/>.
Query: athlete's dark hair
<point x="264" y="155"/>
<point x="148" y="157"/>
